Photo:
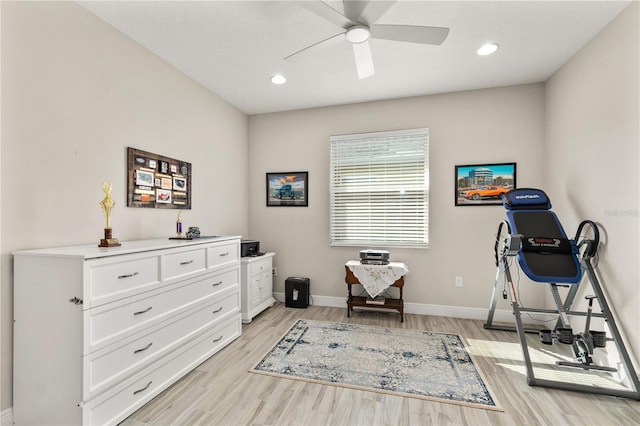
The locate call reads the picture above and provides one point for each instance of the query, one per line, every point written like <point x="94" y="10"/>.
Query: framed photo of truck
<point x="288" y="189"/>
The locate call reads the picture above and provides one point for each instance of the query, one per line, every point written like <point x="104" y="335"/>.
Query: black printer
<point x="250" y="248"/>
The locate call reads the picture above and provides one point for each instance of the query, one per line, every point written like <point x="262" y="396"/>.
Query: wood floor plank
<point x="222" y="391"/>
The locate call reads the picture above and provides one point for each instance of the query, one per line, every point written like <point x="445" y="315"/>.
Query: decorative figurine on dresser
<point x="257" y="280"/>
<point x="99" y="333"/>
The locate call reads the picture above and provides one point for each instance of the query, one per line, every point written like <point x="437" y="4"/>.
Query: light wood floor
<point x="221" y="391"/>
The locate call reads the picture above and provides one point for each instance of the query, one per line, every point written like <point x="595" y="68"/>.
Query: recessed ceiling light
<point x="278" y="79"/>
<point x="487" y="49"/>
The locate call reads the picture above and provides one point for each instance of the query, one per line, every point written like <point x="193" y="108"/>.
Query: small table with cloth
<point x="375" y="279"/>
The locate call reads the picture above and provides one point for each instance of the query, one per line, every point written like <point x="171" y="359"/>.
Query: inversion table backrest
<point x="547" y="256"/>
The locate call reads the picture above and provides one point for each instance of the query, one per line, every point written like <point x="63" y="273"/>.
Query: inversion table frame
<point x="513" y="246"/>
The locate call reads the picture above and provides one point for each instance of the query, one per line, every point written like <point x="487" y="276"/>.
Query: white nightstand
<point x="257" y="285"/>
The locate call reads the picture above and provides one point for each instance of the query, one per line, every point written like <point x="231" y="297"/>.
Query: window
<point x="380" y="189"/>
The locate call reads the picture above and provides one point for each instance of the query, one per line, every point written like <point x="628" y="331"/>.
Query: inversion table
<point x="537" y="240"/>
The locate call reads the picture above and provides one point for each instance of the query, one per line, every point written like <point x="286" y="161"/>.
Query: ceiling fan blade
<point x="364" y="60"/>
<point x="327" y="42"/>
<point x="325" y="11"/>
<point x="366" y="12"/>
<point x="410" y="33"/>
<point x="353" y="9"/>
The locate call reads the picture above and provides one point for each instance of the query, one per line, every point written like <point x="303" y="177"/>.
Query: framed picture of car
<point x="483" y="184"/>
<point x="288" y="189"/>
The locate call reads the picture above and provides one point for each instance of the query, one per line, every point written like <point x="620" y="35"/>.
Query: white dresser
<point x="257" y="285"/>
<point x="98" y="332"/>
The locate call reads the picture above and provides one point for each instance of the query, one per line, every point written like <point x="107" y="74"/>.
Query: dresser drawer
<point x="109" y="281"/>
<point x="115" y="405"/>
<point x="112" y="322"/>
<point x="183" y="263"/>
<point x="222" y="254"/>
<point x="114" y="363"/>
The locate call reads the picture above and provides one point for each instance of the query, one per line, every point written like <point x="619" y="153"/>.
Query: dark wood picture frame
<point x="288" y="189"/>
<point x="483" y="184"/>
<point x="156" y="181"/>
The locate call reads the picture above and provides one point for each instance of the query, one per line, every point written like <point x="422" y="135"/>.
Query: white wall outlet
<point x="458" y="281"/>
<point x="274" y="271"/>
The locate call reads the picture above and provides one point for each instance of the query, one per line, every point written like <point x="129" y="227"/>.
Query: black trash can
<point x="296" y="292"/>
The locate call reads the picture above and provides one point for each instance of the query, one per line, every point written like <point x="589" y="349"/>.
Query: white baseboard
<point x="419" y="308"/>
<point x="6" y="416"/>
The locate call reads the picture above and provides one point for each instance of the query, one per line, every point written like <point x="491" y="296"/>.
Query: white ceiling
<point x="234" y="47"/>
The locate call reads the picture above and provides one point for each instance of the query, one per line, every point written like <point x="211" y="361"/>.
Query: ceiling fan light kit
<point x="358" y="21"/>
<point x="358" y="34"/>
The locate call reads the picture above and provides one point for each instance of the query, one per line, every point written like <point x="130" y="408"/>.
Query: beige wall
<point x="483" y="126"/>
<point x="592" y="157"/>
<point x="75" y="94"/>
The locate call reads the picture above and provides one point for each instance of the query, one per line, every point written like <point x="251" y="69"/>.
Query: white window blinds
<point x="380" y="189"/>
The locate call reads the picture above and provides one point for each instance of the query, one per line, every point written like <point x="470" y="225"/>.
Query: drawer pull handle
<point x="224" y="254"/>
<point x="143" y="349"/>
<point x="218" y="339"/>
<point x="120" y="277"/>
<point x="143" y="389"/>
<point x="216" y="284"/>
<point x="188" y="262"/>
<point x="217" y="310"/>
<point x="143" y="312"/>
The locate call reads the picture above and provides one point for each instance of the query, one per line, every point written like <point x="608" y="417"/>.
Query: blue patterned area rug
<point x="410" y="363"/>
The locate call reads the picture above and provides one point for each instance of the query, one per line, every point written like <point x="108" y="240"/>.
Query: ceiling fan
<point x="358" y="23"/>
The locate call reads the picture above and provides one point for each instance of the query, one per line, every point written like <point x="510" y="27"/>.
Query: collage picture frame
<point x="156" y="181"/>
